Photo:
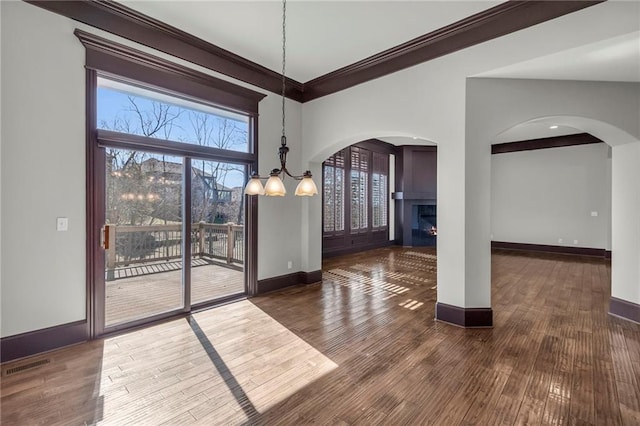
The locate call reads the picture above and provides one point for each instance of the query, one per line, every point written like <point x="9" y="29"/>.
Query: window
<point x="355" y="197"/>
<point x="133" y="110"/>
<point x="333" y="186"/>
<point x="359" y="189"/>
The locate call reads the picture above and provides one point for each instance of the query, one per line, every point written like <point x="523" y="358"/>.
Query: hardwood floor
<point x="360" y="348"/>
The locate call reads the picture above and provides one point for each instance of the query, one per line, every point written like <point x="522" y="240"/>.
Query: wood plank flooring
<point x="140" y="296"/>
<point x="360" y="348"/>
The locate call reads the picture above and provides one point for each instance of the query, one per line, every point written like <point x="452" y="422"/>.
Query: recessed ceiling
<point x="534" y="130"/>
<point x="614" y="59"/>
<point x="322" y="36"/>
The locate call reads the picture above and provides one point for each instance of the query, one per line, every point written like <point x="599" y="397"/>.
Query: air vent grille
<point x="25" y="367"/>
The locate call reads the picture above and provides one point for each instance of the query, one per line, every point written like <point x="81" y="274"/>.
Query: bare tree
<point x="144" y="188"/>
<point x="221" y="133"/>
<point x="136" y="192"/>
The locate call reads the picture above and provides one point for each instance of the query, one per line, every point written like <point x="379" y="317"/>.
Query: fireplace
<point x="423" y="225"/>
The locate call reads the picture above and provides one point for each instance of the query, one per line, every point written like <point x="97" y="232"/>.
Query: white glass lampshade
<point x="274" y="187"/>
<point x="306" y="186"/>
<point x="254" y="187"/>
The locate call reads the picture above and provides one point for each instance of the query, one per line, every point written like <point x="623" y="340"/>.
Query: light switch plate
<point x="594" y="214"/>
<point x="62" y="224"/>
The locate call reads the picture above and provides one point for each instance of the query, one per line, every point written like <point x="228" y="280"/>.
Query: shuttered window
<point x="359" y="185"/>
<point x="355" y="192"/>
<point x="333" y="188"/>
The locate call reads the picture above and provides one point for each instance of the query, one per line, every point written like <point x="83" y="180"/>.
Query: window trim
<point x="129" y="64"/>
<point x="129" y="141"/>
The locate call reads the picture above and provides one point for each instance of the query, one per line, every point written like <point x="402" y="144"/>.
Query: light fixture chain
<point x="284" y="60"/>
<point x="275" y="185"/>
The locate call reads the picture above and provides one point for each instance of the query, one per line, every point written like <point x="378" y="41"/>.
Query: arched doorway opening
<point x="378" y="192"/>
<point x="595" y="186"/>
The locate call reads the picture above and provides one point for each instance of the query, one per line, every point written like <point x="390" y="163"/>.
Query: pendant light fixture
<point x="274" y="185"/>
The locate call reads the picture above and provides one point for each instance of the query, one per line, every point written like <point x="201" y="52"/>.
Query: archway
<point x="624" y="177"/>
<point x="313" y="228"/>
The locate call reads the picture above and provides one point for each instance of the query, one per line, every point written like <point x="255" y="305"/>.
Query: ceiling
<point x="613" y="59"/>
<point x="323" y="36"/>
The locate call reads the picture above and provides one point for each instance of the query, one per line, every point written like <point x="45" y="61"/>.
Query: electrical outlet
<point x="575" y="241"/>
<point x="289" y="264"/>
<point x="594" y="214"/>
<point x="560" y="240"/>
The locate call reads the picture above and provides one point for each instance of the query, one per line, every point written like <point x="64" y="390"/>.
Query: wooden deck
<point x="158" y="288"/>
<point x="360" y="348"/>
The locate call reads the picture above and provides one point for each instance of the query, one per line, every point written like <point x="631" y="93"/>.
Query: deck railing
<point x="131" y="245"/>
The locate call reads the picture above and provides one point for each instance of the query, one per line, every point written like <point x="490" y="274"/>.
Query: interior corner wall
<point x="43" y="170"/>
<point x="279" y="218"/>
<point x="547" y="196"/>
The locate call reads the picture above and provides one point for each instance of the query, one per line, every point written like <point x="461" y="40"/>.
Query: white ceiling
<point x="322" y="36"/>
<point x="613" y="59"/>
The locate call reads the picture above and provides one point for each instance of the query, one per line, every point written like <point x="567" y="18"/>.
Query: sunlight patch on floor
<point x="224" y="365"/>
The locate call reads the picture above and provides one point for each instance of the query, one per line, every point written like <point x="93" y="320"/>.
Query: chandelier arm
<point x="286" y="172"/>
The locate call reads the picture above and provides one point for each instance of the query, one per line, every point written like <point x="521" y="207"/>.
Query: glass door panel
<point x="217" y="230"/>
<point x="143" y="235"/>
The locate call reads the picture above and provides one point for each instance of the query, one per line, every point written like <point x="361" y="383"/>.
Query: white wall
<point x="429" y="101"/>
<point x="279" y="218"/>
<point x="625" y="260"/>
<point x="43" y="172"/>
<point x="607" y="110"/>
<point x="541" y="196"/>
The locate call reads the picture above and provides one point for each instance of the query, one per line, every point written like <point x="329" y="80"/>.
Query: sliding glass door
<point x="143" y="235"/>
<point x="169" y="181"/>
<point x="217" y="230"/>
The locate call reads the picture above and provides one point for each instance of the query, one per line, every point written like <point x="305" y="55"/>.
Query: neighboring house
<point x="150" y="191"/>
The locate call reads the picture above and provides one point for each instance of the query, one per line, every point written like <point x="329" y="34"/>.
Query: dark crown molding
<point x="108" y="56"/>
<point x="544" y="143"/>
<point x="125" y="22"/>
<point x="497" y="21"/>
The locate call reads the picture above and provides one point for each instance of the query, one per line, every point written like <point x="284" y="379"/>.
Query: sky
<point x="114" y="108"/>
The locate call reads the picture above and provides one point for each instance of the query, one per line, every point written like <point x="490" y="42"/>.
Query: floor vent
<point x="24" y="367"/>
